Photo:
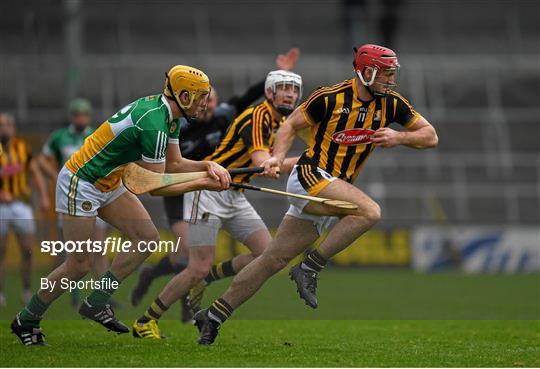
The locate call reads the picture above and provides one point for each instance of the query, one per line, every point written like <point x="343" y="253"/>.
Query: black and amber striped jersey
<point x="252" y="130"/>
<point x="14" y="160"/>
<point x="341" y="125"/>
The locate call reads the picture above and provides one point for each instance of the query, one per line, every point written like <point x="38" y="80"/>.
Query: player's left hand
<point x="386" y="137"/>
<point x="273" y="172"/>
<point x="217" y="172"/>
<point x="209" y="184"/>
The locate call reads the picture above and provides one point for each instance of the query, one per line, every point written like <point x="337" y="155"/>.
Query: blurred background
<point x="472" y="68"/>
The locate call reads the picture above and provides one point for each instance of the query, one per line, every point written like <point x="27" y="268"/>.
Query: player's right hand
<point x="209" y="184"/>
<point x="271" y="167"/>
<point x="218" y="173"/>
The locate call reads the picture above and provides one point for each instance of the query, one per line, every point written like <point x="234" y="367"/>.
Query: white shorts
<point x="77" y="197"/>
<point x="208" y="211"/>
<point x="18" y="216"/>
<point x="309" y="180"/>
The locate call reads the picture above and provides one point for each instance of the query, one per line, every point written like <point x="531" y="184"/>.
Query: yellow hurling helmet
<point x="184" y="78"/>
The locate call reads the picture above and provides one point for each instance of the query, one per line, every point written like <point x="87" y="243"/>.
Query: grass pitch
<point x="371" y="318"/>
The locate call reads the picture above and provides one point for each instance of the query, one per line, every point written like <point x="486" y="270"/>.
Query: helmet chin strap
<point x="371" y="82"/>
<point x="366" y="84"/>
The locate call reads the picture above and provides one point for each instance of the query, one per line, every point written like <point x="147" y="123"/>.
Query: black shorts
<point x="174" y="207"/>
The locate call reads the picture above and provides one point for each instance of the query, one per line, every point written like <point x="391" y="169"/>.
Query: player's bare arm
<point x="284" y="140"/>
<point x="48" y="165"/>
<point x="421" y="135"/>
<point x="180" y="188"/>
<point x="289" y="163"/>
<point x="192" y="109"/>
<point x="258" y="158"/>
<point x="39" y="182"/>
<point x="176" y="163"/>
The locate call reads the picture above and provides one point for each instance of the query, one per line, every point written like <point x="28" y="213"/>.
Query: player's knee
<point x="373" y="214"/>
<point x="257" y="242"/>
<point x="200" y="273"/>
<point x="199" y="270"/>
<point x="369" y="215"/>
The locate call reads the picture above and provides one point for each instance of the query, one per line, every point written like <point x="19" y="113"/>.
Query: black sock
<point x="163" y="267"/>
<point x="180" y="265"/>
<point x="220" y="311"/>
<point x="154" y="311"/>
<point x="219" y="271"/>
<point x="313" y="262"/>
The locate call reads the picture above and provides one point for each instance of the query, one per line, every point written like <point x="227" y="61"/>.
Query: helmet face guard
<point x="373" y="81"/>
<point x="284" y="78"/>
<point x="284" y="109"/>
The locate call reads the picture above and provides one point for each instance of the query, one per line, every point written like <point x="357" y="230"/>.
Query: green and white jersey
<point x="140" y="130"/>
<point x="64" y="142"/>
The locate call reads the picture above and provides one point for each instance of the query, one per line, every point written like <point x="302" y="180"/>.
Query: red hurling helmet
<point x="375" y="57"/>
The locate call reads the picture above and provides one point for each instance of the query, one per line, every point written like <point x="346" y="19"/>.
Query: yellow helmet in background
<point x="185" y="78"/>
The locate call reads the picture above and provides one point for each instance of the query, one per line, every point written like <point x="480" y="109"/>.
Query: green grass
<point x="366" y="318"/>
<point x="291" y="343"/>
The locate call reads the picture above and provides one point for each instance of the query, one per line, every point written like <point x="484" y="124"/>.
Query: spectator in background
<point x="16" y="164"/>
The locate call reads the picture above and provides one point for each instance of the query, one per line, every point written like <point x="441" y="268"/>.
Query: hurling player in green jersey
<point x="61" y="144"/>
<point x="89" y="184"/>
